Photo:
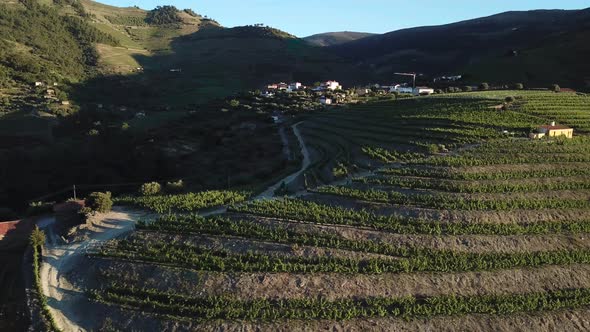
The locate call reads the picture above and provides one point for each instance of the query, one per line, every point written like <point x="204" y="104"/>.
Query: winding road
<point x="67" y="302"/>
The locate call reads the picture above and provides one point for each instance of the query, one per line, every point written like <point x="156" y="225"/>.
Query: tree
<point x="234" y="103"/>
<point x="484" y="86"/>
<point x="99" y="202"/>
<point x="509" y="99"/>
<point x="518" y="86"/>
<point x="150" y="188"/>
<point x="466" y="88"/>
<point x="37" y="237"/>
<point x="163" y="15"/>
<point x="555" y="88"/>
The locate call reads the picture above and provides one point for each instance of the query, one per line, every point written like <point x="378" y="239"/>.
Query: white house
<point x="38" y="83"/>
<point x="325" y="101"/>
<point x="422" y="90"/>
<point x="294" y="86"/>
<point x="331" y="85"/>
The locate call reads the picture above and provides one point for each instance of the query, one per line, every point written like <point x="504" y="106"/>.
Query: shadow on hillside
<point x="211" y="64"/>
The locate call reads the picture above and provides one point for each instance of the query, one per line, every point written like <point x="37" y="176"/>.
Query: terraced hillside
<point x="491" y="235"/>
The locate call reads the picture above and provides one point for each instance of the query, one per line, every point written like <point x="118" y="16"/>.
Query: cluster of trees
<point x="163" y="15"/>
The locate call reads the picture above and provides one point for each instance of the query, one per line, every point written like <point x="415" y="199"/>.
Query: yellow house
<point x="556" y="130"/>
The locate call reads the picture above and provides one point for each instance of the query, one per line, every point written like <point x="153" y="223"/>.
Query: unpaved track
<point x="59" y="261"/>
<point x="269" y="193"/>
<point x="65" y="300"/>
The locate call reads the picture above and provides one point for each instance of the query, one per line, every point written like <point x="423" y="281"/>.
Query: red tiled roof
<point x="8" y="226"/>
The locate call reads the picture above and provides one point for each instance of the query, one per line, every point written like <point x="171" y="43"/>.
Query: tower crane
<point x="413" y="78"/>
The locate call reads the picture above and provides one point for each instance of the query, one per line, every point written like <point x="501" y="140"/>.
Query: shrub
<point x="484" y="86"/>
<point x="7" y="214"/>
<point x="37" y="208"/>
<point x="518" y="86"/>
<point x="93" y="132"/>
<point x="174" y="186"/>
<point x="100" y="202"/>
<point x="509" y="99"/>
<point x="466" y="88"/>
<point x="234" y="103"/>
<point x="433" y="148"/>
<point x="150" y="188"/>
<point x="37" y="237"/>
<point x="555" y="88"/>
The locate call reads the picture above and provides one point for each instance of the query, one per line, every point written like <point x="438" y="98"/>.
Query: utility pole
<point x="75" y="193"/>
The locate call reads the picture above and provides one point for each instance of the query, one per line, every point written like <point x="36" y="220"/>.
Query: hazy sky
<point x="306" y="17"/>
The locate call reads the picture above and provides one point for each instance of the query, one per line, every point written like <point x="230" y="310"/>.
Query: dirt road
<point x="269" y="193"/>
<point x="66" y="301"/>
<point x="59" y="260"/>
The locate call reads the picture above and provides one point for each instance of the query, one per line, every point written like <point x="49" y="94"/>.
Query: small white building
<point x="294" y="86"/>
<point x="39" y="84"/>
<point x="423" y="91"/>
<point x="65" y="102"/>
<point x="325" y="101"/>
<point x="332" y="85"/>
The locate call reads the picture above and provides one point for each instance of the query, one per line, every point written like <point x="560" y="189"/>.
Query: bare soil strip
<point x="461" y="243"/>
<point x="500" y="217"/>
<point x="240" y="245"/>
<point x="336" y="286"/>
<point x="566" y="320"/>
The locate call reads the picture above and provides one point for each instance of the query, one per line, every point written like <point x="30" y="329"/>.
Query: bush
<point x="7" y="214"/>
<point x="175" y="186"/>
<point x="37" y="208"/>
<point x="509" y="99"/>
<point x="433" y="148"/>
<point x="150" y="188"/>
<point x="518" y="86"/>
<point x="555" y="88"/>
<point x="484" y="86"/>
<point x="466" y="88"/>
<point x="100" y="202"/>
<point x="37" y="237"/>
<point x="234" y="103"/>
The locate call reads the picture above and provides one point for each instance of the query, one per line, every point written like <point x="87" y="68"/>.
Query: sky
<point x="306" y="17"/>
